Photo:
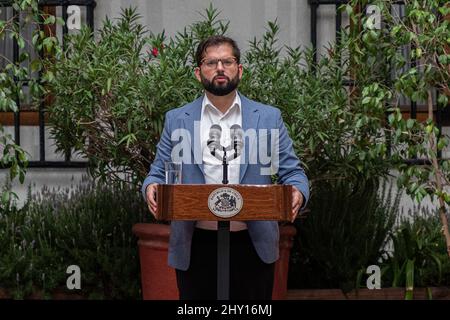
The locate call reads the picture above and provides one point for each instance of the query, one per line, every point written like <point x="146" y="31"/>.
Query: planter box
<point x="437" y="293"/>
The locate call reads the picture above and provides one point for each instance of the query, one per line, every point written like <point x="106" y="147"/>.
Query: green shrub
<point x="333" y="132"/>
<point x="345" y="232"/>
<point x="111" y="93"/>
<point x="89" y="227"/>
<point x="418" y="256"/>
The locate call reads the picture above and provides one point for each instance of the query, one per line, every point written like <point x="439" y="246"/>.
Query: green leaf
<point x="21" y="176"/>
<point x="418" y="53"/>
<point x="36" y="65"/>
<point x="60" y="21"/>
<point x="409" y="279"/>
<point x="391" y="118"/>
<point x="108" y="85"/>
<point x="366" y="100"/>
<point x="396" y="29"/>
<point x="50" y="20"/>
<point x="5" y="197"/>
<point x="444" y="59"/>
<point x="443" y="100"/>
<point x="442" y="143"/>
<point x="23" y="57"/>
<point x="349" y="9"/>
<point x="20" y="42"/>
<point x="22" y="157"/>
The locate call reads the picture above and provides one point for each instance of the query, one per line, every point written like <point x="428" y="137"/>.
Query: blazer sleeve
<point x="290" y="170"/>
<point x="163" y="154"/>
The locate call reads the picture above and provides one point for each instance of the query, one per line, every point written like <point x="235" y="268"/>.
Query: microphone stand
<point x="223" y="246"/>
<point x="223" y="227"/>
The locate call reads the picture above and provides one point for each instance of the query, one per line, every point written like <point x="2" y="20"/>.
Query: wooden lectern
<point x="190" y="202"/>
<point x="224" y="203"/>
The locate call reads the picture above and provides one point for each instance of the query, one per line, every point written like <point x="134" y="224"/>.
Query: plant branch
<point x="438" y="178"/>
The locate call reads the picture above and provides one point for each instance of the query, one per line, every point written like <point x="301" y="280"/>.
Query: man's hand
<point x="150" y="193"/>
<point x="297" y="201"/>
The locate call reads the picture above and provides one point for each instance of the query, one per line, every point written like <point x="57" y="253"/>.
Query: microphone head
<point x="236" y="135"/>
<point x="215" y="133"/>
<point x="236" y="132"/>
<point x="235" y="126"/>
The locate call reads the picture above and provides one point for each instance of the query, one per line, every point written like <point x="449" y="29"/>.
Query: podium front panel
<point x="224" y="202"/>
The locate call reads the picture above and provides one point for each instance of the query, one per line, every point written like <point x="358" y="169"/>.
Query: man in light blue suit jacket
<point x="219" y="71"/>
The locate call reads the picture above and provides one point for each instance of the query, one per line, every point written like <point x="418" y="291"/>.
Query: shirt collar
<point x="207" y="104"/>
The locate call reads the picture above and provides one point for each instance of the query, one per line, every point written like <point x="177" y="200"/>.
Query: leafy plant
<point x="89" y="227"/>
<point x="424" y="32"/>
<point x="346" y="231"/>
<point x="418" y="255"/>
<point x="111" y="94"/>
<point x="335" y="136"/>
<point x="16" y="73"/>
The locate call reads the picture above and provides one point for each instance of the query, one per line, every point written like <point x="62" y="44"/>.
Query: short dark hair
<point x="216" y="41"/>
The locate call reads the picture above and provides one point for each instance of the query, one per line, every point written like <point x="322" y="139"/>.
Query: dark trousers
<point x="250" y="277"/>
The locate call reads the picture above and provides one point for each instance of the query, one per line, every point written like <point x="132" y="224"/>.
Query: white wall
<point x="248" y="18"/>
<point x="36" y="178"/>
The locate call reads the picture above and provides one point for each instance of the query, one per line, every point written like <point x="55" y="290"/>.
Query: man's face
<point x="219" y="71"/>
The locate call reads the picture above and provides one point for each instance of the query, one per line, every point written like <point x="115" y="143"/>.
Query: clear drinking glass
<point x="173" y="172"/>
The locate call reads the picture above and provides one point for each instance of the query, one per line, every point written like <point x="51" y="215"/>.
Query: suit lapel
<point x="191" y="120"/>
<point x="250" y="118"/>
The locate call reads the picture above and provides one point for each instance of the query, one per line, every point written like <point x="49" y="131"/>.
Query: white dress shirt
<point x="211" y="165"/>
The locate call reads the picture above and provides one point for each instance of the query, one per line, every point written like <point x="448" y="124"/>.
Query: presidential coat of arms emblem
<point x="225" y="202"/>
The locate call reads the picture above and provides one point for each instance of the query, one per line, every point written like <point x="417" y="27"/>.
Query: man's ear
<point x="241" y="71"/>
<point x="197" y="74"/>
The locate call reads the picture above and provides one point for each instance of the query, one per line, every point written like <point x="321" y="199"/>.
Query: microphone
<point x="213" y="143"/>
<point x="236" y="135"/>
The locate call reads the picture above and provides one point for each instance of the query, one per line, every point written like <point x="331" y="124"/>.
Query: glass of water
<point x="173" y="172"/>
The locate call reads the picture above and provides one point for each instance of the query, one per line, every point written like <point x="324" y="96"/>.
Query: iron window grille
<point x="56" y="8"/>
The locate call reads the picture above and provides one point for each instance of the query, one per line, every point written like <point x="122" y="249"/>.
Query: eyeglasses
<point x="213" y="63"/>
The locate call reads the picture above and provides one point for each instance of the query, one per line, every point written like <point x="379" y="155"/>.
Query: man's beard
<point x="222" y="89"/>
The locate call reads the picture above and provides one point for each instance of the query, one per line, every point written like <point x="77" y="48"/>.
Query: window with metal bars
<point x="30" y="120"/>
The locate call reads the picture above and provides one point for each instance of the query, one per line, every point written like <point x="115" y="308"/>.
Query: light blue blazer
<point x="264" y="234"/>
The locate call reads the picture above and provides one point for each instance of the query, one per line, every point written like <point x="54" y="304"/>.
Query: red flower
<point x="155" y="52"/>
